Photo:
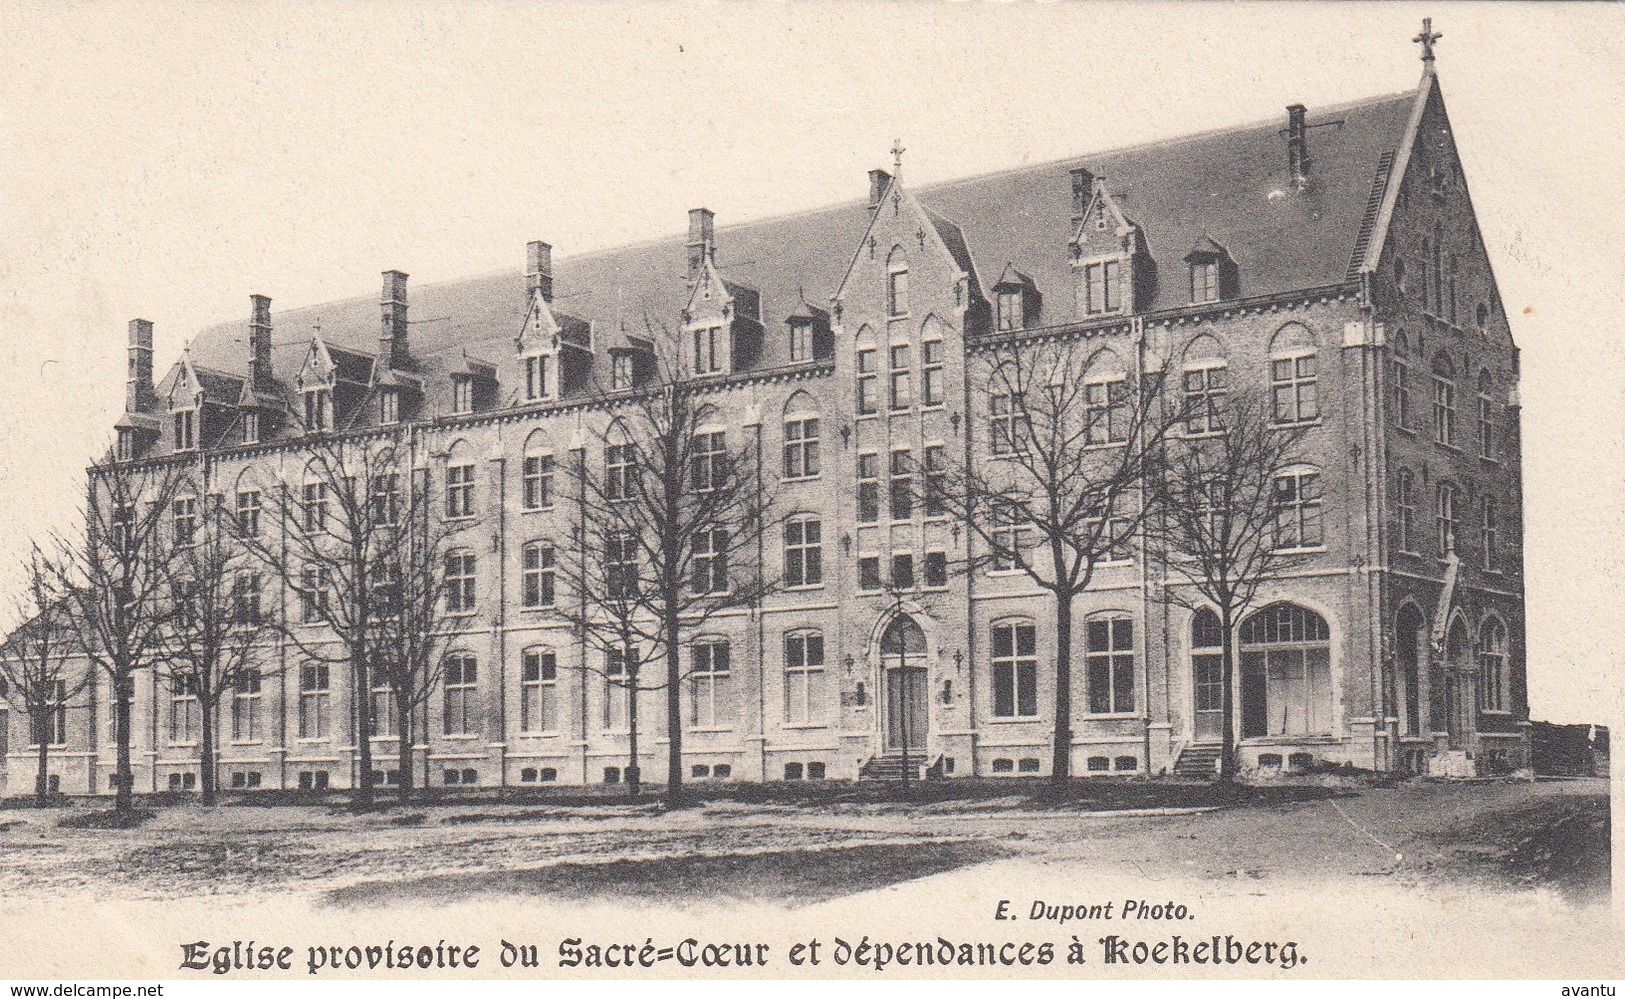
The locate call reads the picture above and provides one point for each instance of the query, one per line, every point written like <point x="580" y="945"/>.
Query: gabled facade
<point x="1335" y="261"/>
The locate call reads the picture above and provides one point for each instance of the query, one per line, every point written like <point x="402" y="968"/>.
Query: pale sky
<point x="164" y="161"/>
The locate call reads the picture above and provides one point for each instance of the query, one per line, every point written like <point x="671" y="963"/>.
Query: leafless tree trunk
<point x="1224" y="526"/>
<point x="34" y="672"/>
<point x="1057" y="489"/>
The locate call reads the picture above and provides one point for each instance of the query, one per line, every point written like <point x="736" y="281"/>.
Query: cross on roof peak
<point x="1426" y="39"/>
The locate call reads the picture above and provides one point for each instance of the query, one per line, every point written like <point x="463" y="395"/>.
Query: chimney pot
<point x="701" y="240"/>
<point x="879" y="180"/>
<point x="539" y="269"/>
<point x="259" y="344"/>
<point x="138" y="393"/>
<point x="1297" y="145"/>
<point x="392" y="343"/>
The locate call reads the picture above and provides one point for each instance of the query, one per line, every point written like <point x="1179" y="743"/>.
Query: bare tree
<point x="671" y="516"/>
<point x="1228" y="520"/>
<point x="35" y="675"/>
<point x="1059" y="490"/>
<point x="341" y="534"/>
<point x="117" y="575"/>
<point x="217" y="630"/>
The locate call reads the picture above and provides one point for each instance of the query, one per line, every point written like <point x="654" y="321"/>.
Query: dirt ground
<point x="1505" y="836"/>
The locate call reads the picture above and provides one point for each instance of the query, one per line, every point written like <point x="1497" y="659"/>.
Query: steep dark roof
<point x="1230" y="186"/>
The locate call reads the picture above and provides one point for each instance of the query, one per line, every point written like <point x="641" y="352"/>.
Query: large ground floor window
<point x="1286" y="685"/>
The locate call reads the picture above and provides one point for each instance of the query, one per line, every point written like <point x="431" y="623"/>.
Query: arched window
<point x="804" y="677"/>
<point x="538" y="690"/>
<point x="1015" y="669"/>
<point x="1207" y="674"/>
<point x="1105" y="388"/>
<point x="1110" y="664"/>
<point x="1405" y="511"/>
<point x="1445" y="518"/>
<point x="1205" y="384"/>
<point x="897" y="284"/>
<point x="1285" y="673"/>
<point x="803" y="550"/>
<point x="1486" y="415"/>
<point x="1492" y="665"/>
<point x="800" y="437"/>
<point x="1292" y="375"/>
<point x="536" y="473"/>
<point x="1444" y="400"/>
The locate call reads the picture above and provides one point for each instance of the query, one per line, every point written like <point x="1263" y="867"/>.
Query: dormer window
<point x="536" y="377"/>
<point x="621" y="371"/>
<point x="389" y="406"/>
<point x="1009" y="301"/>
<point x="318" y="409"/>
<point x="1103" y="287"/>
<point x="1213" y="273"/>
<point x="800" y="341"/>
<point x="251" y="426"/>
<point x="186" y="430"/>
<point x="1205" y="281"/>
<point x="462" y="394"/>
<point x="126" y="444"/>
<point x="707" y="352"/>
<point x="1016" y="300"/>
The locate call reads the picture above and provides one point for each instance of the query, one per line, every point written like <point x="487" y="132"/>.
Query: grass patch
<point x="107" y="819"/>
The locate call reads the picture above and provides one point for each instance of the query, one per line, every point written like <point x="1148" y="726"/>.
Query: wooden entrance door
<point x="906" y="708"/>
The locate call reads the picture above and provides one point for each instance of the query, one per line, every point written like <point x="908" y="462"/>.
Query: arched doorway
<point x="1407" y="657"/>
<point x="902" y="659"/>
<point x="1286" y="673"/>
<point x="1459" y="670"/>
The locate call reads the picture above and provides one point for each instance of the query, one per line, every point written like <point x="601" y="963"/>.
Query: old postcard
<point x="879" y="491"/>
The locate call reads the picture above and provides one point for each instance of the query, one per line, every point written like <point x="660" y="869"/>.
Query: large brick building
<point x="1332" y="255"/>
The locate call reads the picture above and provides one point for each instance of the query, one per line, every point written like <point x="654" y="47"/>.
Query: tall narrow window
<point x="251" y="426"/>
<point x="1405" y="507"/>
<point x="1445" y="518"/>
<point x="1105" y="402"/>
<point x="1486" y="416"/>
<point x="902" y="390"/>
<point x="1450" y="292"/>
<point x="185" y="509"/>
<point x="618" y="472"/>
<point x="462" y="394"/>
<point x="1402" y="392"/>
<point x="318" y="409"/>
<point x="931" y="373"/>
<point x="1103" y="287"/>
<point x="314" y="507"/>
<point x="1492" y="666"/>
<point x="902" y="484"/>
<point x="1111" y="665"/>
<point x="535" y="378"/>
<point x="1292" y="383"/>
<point x="314" y="700"/>
<point x="315" y="592"/>
<point x="801" y="448"/>
<point x="386" y="498"/>
<point x="389" y="406"/>
<point x="710" y="468"/>
<point x="1489" y="532"/>
<point x="1207" y="673"/>
<point x="800" y="341"/>
<point x="1006" y="420"/>
<point x="707" y="358"/>
<point x="1009" y="536"/>
<point x="936" y="570"/>
<point x="804" y="677"/>
<point x="538" y="690"/>
<point x="1009" y="306"/>
<point x="245" y="599"/>
<point x="897" y="290"/>
<point x="1427" y="251"/>
<point x="1112" y="532"/>
<point x="709" y="702"/>
<point x="536" y="485"/>
<point x="245" y="706"/>
<point x="183" y="710"/>
<point x="1204" y="399"/>
<point x="459" y="491"/>
<point x="622" y="371"/>
<point x="710" y="562"/>
<point x="619" y="677"/>
<point x="867" y="380"/>
<point x="248" y="513"/>
<point x="537" y="577"/>
<point x="803" y="551"/>
<point x="385" y="719"/>
<point x="936" y="480"/>
<point x="1297" y="501"/>
<point x="461" y="712"/>
<point x="1444" y="407"/>
<point x="460" y="582"/>
<point x="621" y="565"/>
<point x="186" y="430"/>
<point x="1205" y="281"/>
<point x="868" y="488"/>
<point x="1015" y="670"/>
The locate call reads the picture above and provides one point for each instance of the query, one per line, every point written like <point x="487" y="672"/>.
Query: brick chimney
<point x="1083" y="182"/>
<point x="393" y="351"/>
<point x="701" y="240"/>
<point x="138" y="394"/>
<point x="879" y="180"/>
<point x="1297" y="147"/>
<point x="259" y="344"/>
<point x="539" y="269"/>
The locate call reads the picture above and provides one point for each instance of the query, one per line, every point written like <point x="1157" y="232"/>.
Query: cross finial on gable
<point x="897" y="151"/>
<point x="1426" y="39"/>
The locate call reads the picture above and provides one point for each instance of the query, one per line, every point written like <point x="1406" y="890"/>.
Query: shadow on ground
<point x="787" y="877"/>
<point x="1564" y="845"/>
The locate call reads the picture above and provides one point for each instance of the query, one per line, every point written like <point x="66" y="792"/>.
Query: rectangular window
<point x="1009" y="301"/>
<point x="936" y="479"/>
<point x="381" y="704"/>
<point x="1205" y="282"/>
<point x="622" y="369"/>
<point x="936" y="570"/>
<point x="707" y="358"/>
<point x="800" y="341"/>
<point x="867" y="401"/>
<point x="1205" y="390"/>
<point x="621" y="565"/>
<point x="386" y="498"/>
<point x="536" y="481"/>
<point x="1009" y="536"/>
<point x="801" y="448"/>
<point x="869" y="572"/>
<point x="1444" y="411"/>
<point x="186" y="430"/>
<point x="1006" y="418"/>
<point x="710" y="468"/>
<point x="1486" y="427"/>
<point x="1405" y="505"/>
<point x="1104" y="416"/>
<point x="803" y="552"/>
<point x="318" y="408"/>
<point x="1292" y="383"/>
<point x="1445" y="519"/>
<point x="314" y="507"/>
<point x="1112" y="532"/>
<point x="389" y="406"/>
<point x="902" y="389"/>
<point x="1104" y="287"/>
<point x="538" y="691"/>
<point x="897" y="293"/>
<point x="1402" y="393"/>
<point x="460" y="582"/>
<point x="902" y="485"/>
<point x="459" y="491"/>
<point x="1297" y="504"/>
<point x="804" y="677"/>
<point x="1488" y="532"/>
<point x="314" y="701"/>
<point x="185" y="509"/>
<point x="248" y="513"/>
<point x="709" y="703"/>
<point x="461" y="714"/>
<point x="538" y="580"/>
<point x="902" y="571"/>
<point x="710" y="563"/>
<point x="1015" y="671"/>
<point x="1111" y="666"/>
<point x="315" y="590"/>
<point x="868" y="488"/>
<point x="931" y="372"/>
<point x="245" y="599"/>
<point x="245" y="707"/>
<point x="618" y="472"/>
<point x="251" y="427"/>
<point x="619" y="676"/>
<point x="462" y="394"/>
